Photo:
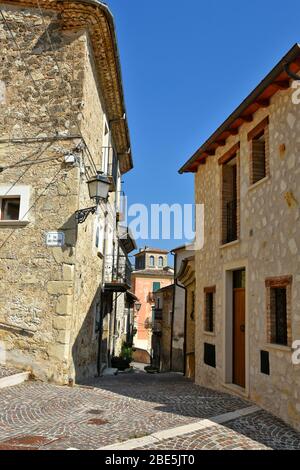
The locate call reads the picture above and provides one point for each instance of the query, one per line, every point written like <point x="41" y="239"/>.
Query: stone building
<point x="186" y="277"/>
<point x="247" y="175"/>
<point x="151" y="274"/>
<point x="62" y="122"/>
<point x="161" y="328"/>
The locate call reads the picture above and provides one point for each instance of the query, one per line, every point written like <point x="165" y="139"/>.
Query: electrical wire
<point x="59" y="71"/>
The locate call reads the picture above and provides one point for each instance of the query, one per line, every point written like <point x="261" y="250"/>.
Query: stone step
<point x="15" y="379"/>
<point x="109" y="371"/>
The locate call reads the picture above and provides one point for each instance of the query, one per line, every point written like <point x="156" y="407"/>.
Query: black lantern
<point x="99" y="187"/>
<point x="98" y="190"/>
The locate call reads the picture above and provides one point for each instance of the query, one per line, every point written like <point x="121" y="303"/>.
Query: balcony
<point x="158" y="314"/>
<point x="117" y="273"/>
<point x="150" y="298"/>
<point x="157" y="328"/>
<point x="231" y="222"/>
<point x="110" y="166"/>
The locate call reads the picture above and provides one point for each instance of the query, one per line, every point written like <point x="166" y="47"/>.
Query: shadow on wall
<point x="85" y="347"/>
<point x="95" y="328"/>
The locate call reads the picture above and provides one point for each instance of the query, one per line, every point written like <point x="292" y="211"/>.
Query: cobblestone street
<point x="112" y="410"/>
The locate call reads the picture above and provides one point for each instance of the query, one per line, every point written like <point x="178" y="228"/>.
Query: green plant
<point x="126" y="352"/>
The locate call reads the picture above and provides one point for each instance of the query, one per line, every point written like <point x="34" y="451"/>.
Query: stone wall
<point x="268" y="247"/>
<point x="50" y="95"/>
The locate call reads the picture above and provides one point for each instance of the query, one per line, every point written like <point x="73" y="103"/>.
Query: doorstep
<point x="10" y="377"/>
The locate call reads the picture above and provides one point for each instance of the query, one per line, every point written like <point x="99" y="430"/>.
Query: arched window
<point x="152" y="261"/>
<point x="160" y="261"/>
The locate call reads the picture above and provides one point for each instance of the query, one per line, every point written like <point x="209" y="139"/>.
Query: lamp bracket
<point x="82" y="214"/>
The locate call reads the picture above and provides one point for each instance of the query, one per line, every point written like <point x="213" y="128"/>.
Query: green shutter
<point x="156" y="286"/>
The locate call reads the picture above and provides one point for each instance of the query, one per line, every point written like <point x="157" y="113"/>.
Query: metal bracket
<point x="82" y="214"/>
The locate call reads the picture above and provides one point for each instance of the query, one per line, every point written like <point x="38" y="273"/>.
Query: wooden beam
<point x="229" y="155"/>
<point x="248" y="118"/>
<point x="233" y="131"/>
<point x="263" y="103"/>
<point x="282" y="85"/>
<point x="221" y="143"/>
<point x="258" y="129"/>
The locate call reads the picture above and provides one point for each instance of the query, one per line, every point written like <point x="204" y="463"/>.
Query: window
<point x="279" y="314"/>
<point x="152" y="261"/>
<point x="14" y="204"/>
<point x="10" y="208"/>
<point x="209" y="309"/>
<point x="160" y="261"/>
<point x="155" y="286"/>
<point x="97" y="318"/>
<point x="258" y="138"/>
<point x="229" y="204"/>
<point x="279" y="310"/>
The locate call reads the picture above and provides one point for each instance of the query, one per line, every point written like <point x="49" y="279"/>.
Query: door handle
<point x="242" y="328"/>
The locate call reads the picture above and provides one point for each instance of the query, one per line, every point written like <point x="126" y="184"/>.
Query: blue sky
<point x="186" y="66"/>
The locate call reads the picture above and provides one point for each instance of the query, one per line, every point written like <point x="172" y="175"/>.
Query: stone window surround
<point x="262" y="126"/>
<point x="279" y="282"/>
<point x="209" y="290"/>
<point x="24" y="193"/>
<point x="225" y="158"/>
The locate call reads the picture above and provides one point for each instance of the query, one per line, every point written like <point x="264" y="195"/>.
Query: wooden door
<point x="239" y="337"/>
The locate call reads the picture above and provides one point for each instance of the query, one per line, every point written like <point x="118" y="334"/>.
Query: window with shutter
<point x="259" y="148"/>
<point x="279" y="316"/>
<point x="209" y="309"/>
<point x="258" y="158"/>
<point x="279" y="306"/>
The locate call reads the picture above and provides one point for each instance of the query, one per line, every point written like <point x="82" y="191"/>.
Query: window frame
<point x="261" y="128"/>
<point x="282" y="282"/>
<point x="209" y="291"/>
<point x="232" y="153"/>
<point x="17" y="192"/>
<point x="3" y="201"/>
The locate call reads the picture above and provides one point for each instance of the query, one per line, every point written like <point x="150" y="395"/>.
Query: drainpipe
<point x="101" y="309"/>
<point x="185" y="315"/>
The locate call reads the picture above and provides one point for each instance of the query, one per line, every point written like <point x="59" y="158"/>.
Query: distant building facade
<point x="151" y="274"/>
<point x="161" y="327"/>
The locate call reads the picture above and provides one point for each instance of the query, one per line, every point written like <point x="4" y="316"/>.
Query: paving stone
<point x="6" y="372"/>
<point x="45" y="416"/>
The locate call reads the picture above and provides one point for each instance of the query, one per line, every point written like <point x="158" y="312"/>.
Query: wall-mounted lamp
<point x="138" y="306"/>
<point x="98" y="190"/>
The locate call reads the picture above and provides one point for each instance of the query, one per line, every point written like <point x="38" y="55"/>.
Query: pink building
<point x="151" y="274"/>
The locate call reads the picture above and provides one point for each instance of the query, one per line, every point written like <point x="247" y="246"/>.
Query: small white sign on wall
<point x="55" y="239"/>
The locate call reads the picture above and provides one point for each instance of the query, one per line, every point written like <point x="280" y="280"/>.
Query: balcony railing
<point x="158" y="314"/>
<point x="231" y="222"/>
<point x="150" y="298"/>
<point x="156" y="328"/>
<point x="117" y="271"/>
